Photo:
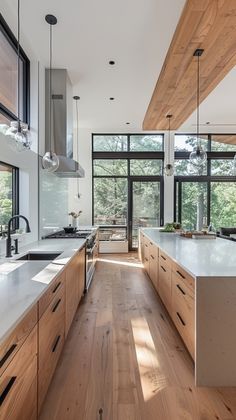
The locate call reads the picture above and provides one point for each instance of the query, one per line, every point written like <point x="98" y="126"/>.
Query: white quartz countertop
<point x="23" y="282"/>
<point x="201" y="258"/>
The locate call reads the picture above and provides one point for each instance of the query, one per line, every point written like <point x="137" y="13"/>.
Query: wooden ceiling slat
<point x="208" y="24"/>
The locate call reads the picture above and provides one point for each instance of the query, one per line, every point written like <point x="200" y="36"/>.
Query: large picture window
<point x="9" y="77"/>
<point x="9" y="197"/>
<point x="206" y="196"/>
<point x="127" y="182"/>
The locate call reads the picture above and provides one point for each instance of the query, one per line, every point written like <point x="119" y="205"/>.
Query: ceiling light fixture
<point x="169" y="168"/>
<point x="18" y="131"/>
<point x="77" y="98"/>
<point x="50" y="161"/>
<point x="112" y="62"/>
<point x="198" y="156"/>
<point x="111" y="99"/>
<point x="128" y="123"/>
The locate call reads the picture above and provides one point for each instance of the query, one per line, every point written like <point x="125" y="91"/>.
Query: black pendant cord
<point x="198" y="100"/>
<point x="169" y="141"/>
<point x="18" y="65"/>
<point x="77" y="139"/>
<point x="50" y="91"/>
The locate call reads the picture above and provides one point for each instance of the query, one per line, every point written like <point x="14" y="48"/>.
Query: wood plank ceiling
<point x="207" y="24"/>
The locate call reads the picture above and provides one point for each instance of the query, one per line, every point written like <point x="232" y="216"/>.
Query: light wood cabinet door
<point x="164" y="288"/>
<point x="81" y="272"/>
<point x="153" y="265"/>
<point x="183" y="312"/>
<point x="50" y="293"/>
<point x="15" y="340"/>
<point x="18" y="383"/>
<point x="51" y="340"/>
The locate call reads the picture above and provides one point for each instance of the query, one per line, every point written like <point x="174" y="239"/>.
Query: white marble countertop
<point x="201" y="258"/>
<point x="23" y="282"/>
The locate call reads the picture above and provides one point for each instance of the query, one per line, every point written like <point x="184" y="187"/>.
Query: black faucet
<point x="8" y="240"/>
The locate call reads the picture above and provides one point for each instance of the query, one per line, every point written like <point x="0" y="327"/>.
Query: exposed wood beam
<point x="207" y="24"/>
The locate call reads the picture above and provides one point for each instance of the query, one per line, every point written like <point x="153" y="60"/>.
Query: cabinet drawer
<point x="153" y="270"/>
<point x="164" y="287"/>
<point x="184" y="276"/>
<point x="18" y="383"/>
<point x="183" y="312"/>
<point x="51" y="340"/>
<point x="48" y="296"/>
<point x="153" y="251"/>
<point x="13" y="343"/>
<point x="164" y="258"/>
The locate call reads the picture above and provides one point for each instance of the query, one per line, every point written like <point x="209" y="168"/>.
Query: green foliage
<point x="5" y="197"/>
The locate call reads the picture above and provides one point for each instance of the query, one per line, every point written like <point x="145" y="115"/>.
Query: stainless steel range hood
<point x="62" y="123"/>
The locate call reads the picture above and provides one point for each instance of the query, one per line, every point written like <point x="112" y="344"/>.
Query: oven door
<point x="90" y="265"/>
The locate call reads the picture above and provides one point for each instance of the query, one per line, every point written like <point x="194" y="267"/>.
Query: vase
<point x="74" y="222"/>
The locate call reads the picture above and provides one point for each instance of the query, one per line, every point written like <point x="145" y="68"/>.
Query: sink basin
<point x="37" y="256"/>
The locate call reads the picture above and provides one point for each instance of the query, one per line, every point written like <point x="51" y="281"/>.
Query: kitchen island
<point x="196" y="280"/>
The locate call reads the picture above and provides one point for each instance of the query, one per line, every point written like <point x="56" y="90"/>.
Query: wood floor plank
<point x="124" y="355"/>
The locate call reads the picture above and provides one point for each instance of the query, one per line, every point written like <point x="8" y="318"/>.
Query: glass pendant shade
<point x="198" y="156"/>
<point x="19" y="136"/>
<point x="169" y="169"/>
<point x="50" y="162"/>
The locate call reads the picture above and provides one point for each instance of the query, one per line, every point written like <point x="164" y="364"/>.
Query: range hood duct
<point x="62" y="123"/>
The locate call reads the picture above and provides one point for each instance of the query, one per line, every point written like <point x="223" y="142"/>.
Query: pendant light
<point x="77" y="98"/>
<point x="168" y="169"/>
<point x="198" y="156"/>
<point x="18" y="130"/>
<point x="50" y="161"/>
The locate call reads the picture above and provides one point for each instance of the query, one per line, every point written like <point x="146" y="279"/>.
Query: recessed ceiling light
<point x="111" y="98"/>
<point x="208" y="122"/>
<point x="112" y="62"/>
<point x="128" y="123"/>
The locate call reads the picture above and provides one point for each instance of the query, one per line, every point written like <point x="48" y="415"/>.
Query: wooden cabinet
<point x="15" y="340"/>
<point x="51" y="340"/>
<point x="165" y="282"/>
<point x="176" y="288"/>
<point x="153" y="265"/>
<point x="18" y="383"/>
<point x="141" y="246"/>
<point x="183" y="311"/>
<point x="49" y="295"/>
<point x="75" y="283"/>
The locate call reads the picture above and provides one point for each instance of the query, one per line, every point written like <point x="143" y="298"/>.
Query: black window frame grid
<point x="208" y="178"/>
<point x="10" y="37"/>
<point x="15" y="195"/>
<point x="129" y="155"/>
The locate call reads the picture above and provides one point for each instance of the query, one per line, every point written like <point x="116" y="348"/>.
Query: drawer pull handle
<point x="180" y="288"/>
<point x="56" y="287"/>
<point x="163" y="269"/>
<point x="151" y="243"/>
<point x="162" y="256"/>
<point x="56" y="344"/>
<point x="180" y="274"/>
<point x="7" y="354"/>
<point x="7" y="390"/>
<point x="146" y="259"/>
<point x="181" y="319"/>
<point x="56" y="306"/>
<point x="152" y="257"/>
<point x="146" y="245"/>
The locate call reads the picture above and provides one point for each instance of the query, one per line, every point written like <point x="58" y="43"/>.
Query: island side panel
<point x="215" y="331"/>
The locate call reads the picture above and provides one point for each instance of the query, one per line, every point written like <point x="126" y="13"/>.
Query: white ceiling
<point x="134" y="33"/>
<point x="219" y="109"/>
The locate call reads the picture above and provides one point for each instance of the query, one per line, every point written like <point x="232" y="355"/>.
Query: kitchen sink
<point x="37" y="256"/>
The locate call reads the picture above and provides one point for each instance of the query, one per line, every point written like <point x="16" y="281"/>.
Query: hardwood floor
<point x="124" y="356"/>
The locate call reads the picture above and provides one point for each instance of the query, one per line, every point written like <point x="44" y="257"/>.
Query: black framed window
<point x="119" y="162"/>
<point x="9" y="194"/>
<point x="207" y="196"/>
<point x="9" y="77"/>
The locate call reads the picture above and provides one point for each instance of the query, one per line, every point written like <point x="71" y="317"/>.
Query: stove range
<point x="79" y="234"/>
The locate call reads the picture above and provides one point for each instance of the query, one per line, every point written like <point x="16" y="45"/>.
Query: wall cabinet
<point x="176" y="289"/>
<point x="29" y="355"/>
